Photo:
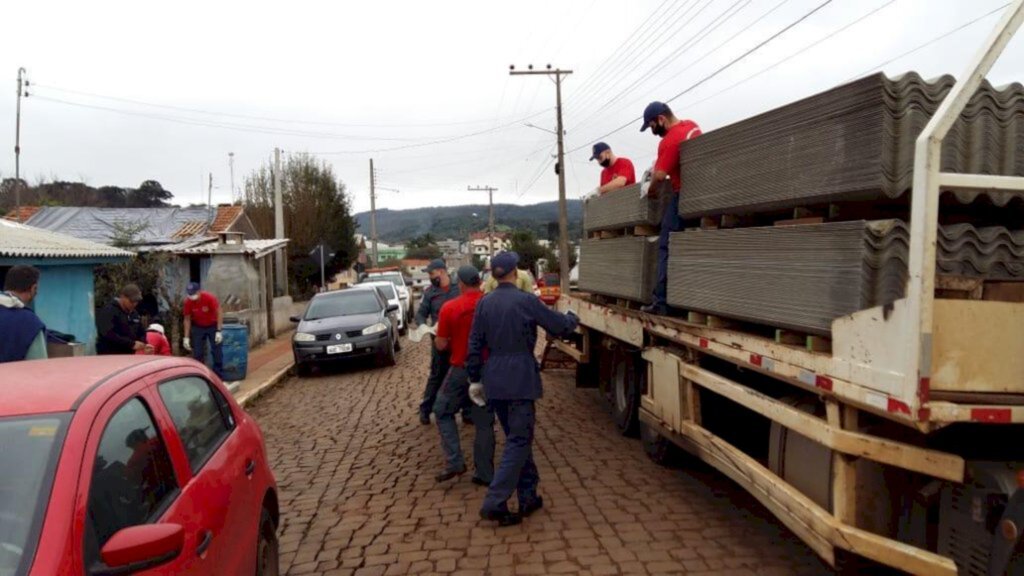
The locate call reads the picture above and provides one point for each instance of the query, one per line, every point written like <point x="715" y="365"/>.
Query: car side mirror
<point x="142" y="547"/>
<point x="295" y="319"/>
<point x="393" y="308"/>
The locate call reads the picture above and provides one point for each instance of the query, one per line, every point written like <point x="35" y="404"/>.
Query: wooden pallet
<point x="812" y="342"/>
<point x="643" y="230"/>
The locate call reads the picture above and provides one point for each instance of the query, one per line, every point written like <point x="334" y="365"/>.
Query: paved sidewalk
<point x="268" y="365"/>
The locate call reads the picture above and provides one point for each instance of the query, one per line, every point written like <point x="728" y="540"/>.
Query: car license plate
<point x="339" y="348"/>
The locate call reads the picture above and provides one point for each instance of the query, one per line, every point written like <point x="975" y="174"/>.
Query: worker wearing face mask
<point x="441" y="290"/>
<point x="617" y="172"/>
<point x="203" y="322"/>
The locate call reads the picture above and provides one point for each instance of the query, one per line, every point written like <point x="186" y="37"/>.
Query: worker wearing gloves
<point x="453" y="327"/>
<point x="203" y="322"/>
<point x="441" y="290"/>
<point x="504" y="373"/>
<point x="616" y="172"/>
<point x="673" y="132"/>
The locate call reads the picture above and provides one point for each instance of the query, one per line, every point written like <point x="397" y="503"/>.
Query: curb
<point x="264" y="386"/>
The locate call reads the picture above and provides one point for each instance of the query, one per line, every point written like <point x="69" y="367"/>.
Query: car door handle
<point x="250" y="467"/>
<point x="204" y="544"/>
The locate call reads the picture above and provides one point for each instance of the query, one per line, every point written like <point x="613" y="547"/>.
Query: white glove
<point x="476" y="394"/>
<point x="645" y="183"/>
<point x="217" y="338"/>
<point x="421" y="331"/>
<point x="187" y="343"/>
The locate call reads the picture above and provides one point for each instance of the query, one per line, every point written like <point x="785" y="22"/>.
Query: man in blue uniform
<point x="501" y="352"/>
<point x="441" y="290"/>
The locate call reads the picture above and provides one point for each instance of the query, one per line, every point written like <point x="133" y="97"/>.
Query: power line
<point x="728" y="65"/>
<point x="721" y="19"/>
<point x="434" y="142"/>
<point x="402" y="125"/>
<point x="932" y="41"/>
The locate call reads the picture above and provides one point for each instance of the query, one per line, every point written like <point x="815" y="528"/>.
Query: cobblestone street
<point x="358" y="496"/>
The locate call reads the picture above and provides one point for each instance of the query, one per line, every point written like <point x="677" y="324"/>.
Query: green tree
<point x="317" y="209"/>
<point x="422" y="248"/>
<point x="524" y="243"/>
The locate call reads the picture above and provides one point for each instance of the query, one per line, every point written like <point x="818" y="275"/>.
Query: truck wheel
<point x="625" y="392"/>
<point x="658" y="448"/>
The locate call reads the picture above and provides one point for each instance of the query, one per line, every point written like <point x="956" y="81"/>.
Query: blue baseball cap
<point x="504" y="263"/>
<point x="436" y="264"/>
<point x="653" y="110"/>
<point x="598" y="149"/>
<point x="192" y="288"/>
<point x="469" y="275"/>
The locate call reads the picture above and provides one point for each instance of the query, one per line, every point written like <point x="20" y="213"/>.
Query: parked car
<point x="394" y="275"/>
<point x="345" y="324"/>
<point x="128" y="464"/>
<point x="550" y="288"/>
<point x="390" y="294"/>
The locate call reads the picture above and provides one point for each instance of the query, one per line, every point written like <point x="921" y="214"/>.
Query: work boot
<point x="449" y="474"/>
<point x="502" y="517"/>
<point x="425" y="419"/>
<point x="480" y="482"/>
<point x="531" y="506"/>
<point x="655" y="309"/>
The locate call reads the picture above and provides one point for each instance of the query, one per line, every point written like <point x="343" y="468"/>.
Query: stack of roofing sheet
<point x="620" y="208"/>
<point x="803" y="277"/>
<point x="854" y="142"/>
<point x="624" y="267"/>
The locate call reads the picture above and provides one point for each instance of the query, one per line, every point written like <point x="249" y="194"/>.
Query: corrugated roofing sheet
<point x="209" y="245"/>
<point x="22" y="241"/>
<point x="158" y="225"/>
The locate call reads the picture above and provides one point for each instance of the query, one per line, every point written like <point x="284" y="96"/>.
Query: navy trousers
<point x="670" y="222"/>
<point x="517" y="471"/>
<point x="200" y="336"/>
<point x="454" y="396"/>
<point x="438" y="371"/>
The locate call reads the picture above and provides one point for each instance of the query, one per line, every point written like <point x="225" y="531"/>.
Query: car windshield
<point x="388" y="290"/>
<point x="551" y="279"/>
<point x="29" y="447"/>
<point x="395" y="278"/>
<point x="345" y="303"/>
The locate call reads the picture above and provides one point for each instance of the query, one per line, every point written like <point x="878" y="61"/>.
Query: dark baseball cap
<point x="598" y="149"/>
<point x="469" y="275"/>
<point x="132" y="292"/>
<point x="504" y="263"/>
<point x="192" y="288"/>
<point x="436" y="264"/>
<point x="653" y="110"/>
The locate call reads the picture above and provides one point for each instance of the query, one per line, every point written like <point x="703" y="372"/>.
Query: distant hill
<point x="457" y="222"/>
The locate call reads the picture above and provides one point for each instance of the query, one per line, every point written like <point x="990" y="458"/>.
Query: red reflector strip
<point x="992" y="415"/>
<point x="897" y="406"/>
<point x="703" y="342"/>
<point x="823" y="382"/>
<point x="756" y="359"/>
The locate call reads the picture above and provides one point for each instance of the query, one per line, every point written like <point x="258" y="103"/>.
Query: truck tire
<point x="625" y="391"/>
<point x="659" y="449"/>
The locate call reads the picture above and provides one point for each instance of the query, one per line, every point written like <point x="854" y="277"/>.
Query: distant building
<point x="478" y="244"/>
<point x="66" y="300"/>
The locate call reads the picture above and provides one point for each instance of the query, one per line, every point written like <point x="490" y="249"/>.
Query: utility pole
<point x="209" y="199"/>
<point x="231" y="167"/>
<point x="282" y="282"/>
<point x="22" y="93"/>
<point x="563" y="215"/>
<point x="373" y="214"/>
<point x="490" y="195"/>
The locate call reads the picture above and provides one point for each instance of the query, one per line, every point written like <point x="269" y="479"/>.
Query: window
<point x="201" y="416"/>
<point x="132" y="478"/>
<point x="346" y="303"/>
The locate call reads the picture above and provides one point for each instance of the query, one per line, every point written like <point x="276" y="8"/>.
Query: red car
<point x="550" y="288"/>
<point x="130" y="465"/>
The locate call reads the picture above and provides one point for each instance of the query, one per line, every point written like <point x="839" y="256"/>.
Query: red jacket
<point x="161" y="347"/>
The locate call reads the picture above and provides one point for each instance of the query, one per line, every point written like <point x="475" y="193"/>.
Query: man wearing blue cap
<point x="441" y="290"/>
<point x="673" y="132"/>
<point x="617" y="172"/>
<point x="453" y="328"/>
<point x="501" y="353"/>
<point x="203" y="322"/>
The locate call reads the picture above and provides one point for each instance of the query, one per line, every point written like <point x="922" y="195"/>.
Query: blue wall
<point x="65" y="301"/>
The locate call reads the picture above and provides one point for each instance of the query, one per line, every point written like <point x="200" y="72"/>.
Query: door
<point x="132" y="480"/>
<point x="222" y="462"/>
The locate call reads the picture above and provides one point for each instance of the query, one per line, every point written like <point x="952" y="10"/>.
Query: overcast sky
<point x="130" y="91"/>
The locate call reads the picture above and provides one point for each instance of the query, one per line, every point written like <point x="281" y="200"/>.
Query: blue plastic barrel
<point x="235" y="345"/>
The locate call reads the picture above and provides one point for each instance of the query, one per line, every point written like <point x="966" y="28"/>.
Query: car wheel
<point x="303" y="369"/>
<point x="398" y="342"/>
<point x="389" y="353"/>
<point x="267" y="562"/>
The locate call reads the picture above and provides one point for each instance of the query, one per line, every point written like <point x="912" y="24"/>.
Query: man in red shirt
<point x="453" y="327"/>
<point x="673" y="132"/>
<point x="203" y="322"/>
<point x="617" y="172"/>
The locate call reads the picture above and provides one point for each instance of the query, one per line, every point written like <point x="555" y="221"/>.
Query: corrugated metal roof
<point x="22" y="241"/>
<point x="159" y="225"/>
<point x="206" y="246"/>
